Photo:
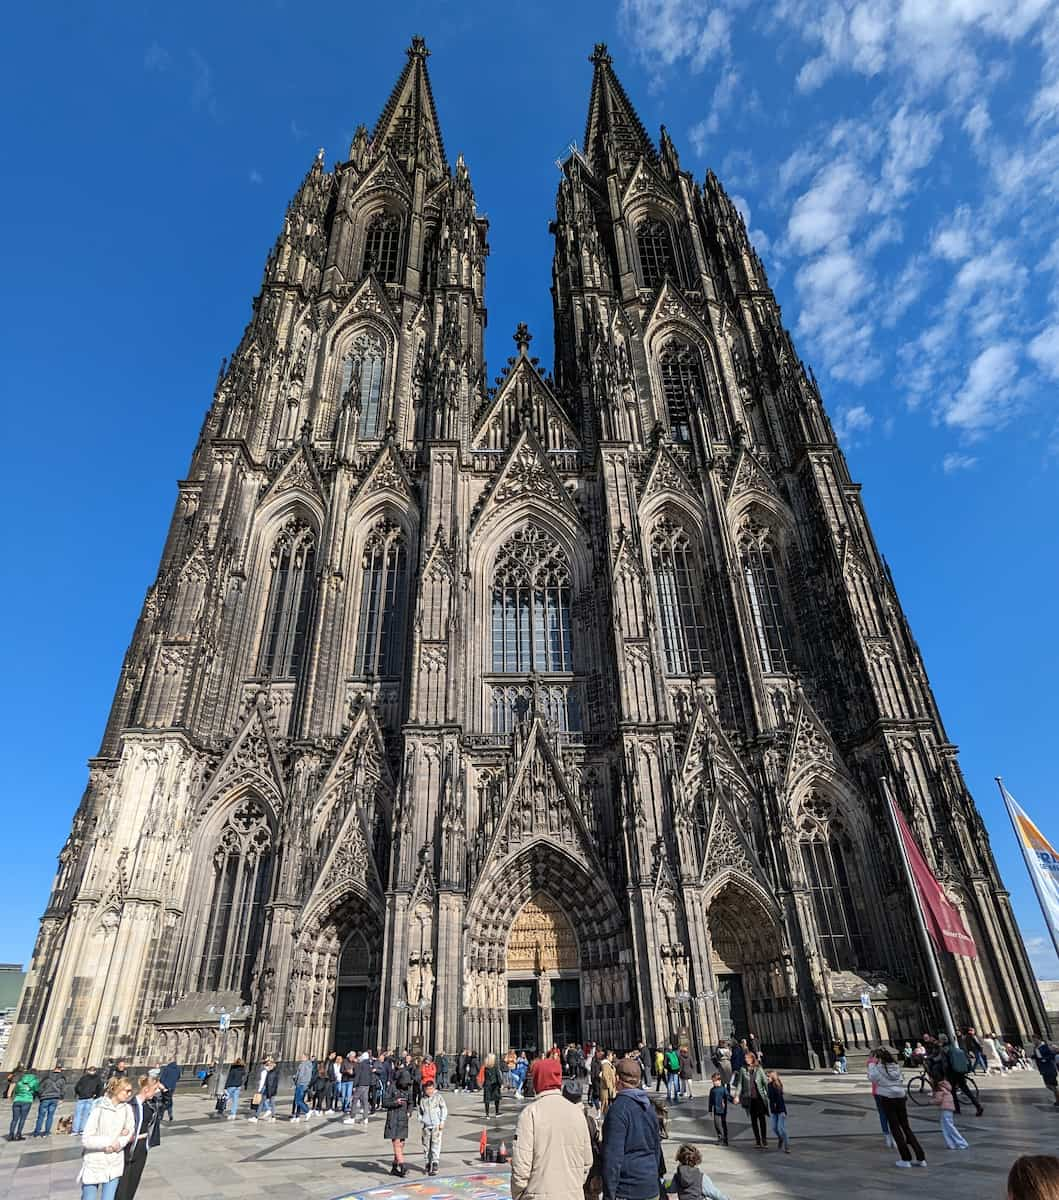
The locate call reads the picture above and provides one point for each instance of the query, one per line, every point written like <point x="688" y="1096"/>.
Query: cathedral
<point x="490" y="712"/>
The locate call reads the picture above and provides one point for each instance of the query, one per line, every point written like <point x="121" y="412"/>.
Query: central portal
<point x="543" y="978"/>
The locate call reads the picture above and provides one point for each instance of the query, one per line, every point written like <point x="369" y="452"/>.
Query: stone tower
<point x="502" y="714"/>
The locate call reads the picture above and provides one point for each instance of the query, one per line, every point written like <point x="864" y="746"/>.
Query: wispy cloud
<point x="852" y="423"/>
<point x="255" y="176"/>
<point x="296" y="130"/>
<point x="203" y="96"/>
<point x="157" y="58"/>
<point x="1042" y="956"/>
<point x="954" y="462"/>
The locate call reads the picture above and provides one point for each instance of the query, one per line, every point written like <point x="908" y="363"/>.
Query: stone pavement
<point x="836" y="1142"/>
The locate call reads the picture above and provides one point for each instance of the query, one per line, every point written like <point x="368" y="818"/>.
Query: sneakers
<point x="920" y="1163"/>
<point x="254" y="1119"/>
<point x="233" y="1118"/>
<point x="345" y="1120"/>
<point x="901" y="1163"/>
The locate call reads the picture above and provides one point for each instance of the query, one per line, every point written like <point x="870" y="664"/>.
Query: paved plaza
<point x="835" y="1134"/>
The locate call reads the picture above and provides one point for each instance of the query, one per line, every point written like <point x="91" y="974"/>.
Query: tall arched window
<point x="290" y="601"/>
<point x="383" y="593"/>
<point x="680" y="611"/>
<point x="654" y="247"/>
<point x="362" y="371"/>
<point x="758" y="561"/>
<point x="242" y="867"/>
<point x="827" y="876"/>
<point x="531" y="605"/>
<point x="684" y="389"/>
<point x="382" y="246"/>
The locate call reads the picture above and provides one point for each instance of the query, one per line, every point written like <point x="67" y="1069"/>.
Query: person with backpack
<point x="672" y="1069"/>
<point x="957" y="1065"/>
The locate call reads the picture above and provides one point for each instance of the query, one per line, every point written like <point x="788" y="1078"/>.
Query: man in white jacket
<point x="552" y="1154"/>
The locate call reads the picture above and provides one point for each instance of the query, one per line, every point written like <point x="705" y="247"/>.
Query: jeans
<point x="100" y="1191"/>
<point x="233" y="1094"/>
<point x="19" y="1113"/>
<point x="345" y="1092"/>
<point x="673" y="1087"/>
<point x="953" y="1138"/>
<point x="882" y="1116"/>
<point x="81" y="1111"/>
<point x="779" y="1128"/>
<point x="268" y="1106"/>
<point x="300" y="1107"/>
<point x="840" y="1064"/>
<point x="45" y="1116"/>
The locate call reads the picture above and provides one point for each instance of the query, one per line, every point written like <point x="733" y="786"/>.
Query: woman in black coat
<point x="492" y="1081"/>
<point x="396" y="1103"/>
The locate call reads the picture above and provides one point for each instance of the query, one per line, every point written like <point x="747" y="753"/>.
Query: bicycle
<point x="921" y="1088"/>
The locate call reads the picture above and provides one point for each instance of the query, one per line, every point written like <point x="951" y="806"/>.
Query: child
<point x="719" y="1107"/>
<point x="778" y="1108"/>
<point x="688" y="1182"/>
<point x="942" y="1096"/>
<point x="433" y="1113"/>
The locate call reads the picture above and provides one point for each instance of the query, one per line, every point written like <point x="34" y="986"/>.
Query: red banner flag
<point x="944" y="923"/>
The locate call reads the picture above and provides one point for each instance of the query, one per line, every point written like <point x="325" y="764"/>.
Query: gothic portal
<point x="471" y="713"/>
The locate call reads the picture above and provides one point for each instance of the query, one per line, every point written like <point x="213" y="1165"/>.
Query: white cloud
<point x="1044" y="350"/>
<point x="1042" y="956"/>
<point x="989" y="390"/>
<point x="830" y="209"/>
<point x="958" y="462"/>
<point x="912" y="137"/>
<point x="850" y="423"/>
<point x="954" y="240"/>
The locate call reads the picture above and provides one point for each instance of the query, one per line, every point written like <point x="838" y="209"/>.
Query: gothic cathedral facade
<point x="504" y="713"/>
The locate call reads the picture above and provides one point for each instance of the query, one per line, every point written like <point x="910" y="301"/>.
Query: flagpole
<point x="1026" y="862"/>
<point x="924" y="937"/>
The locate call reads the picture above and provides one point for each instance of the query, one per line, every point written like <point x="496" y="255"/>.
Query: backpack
<point x="672" y="1060"/>
<point x="958" y="1060"/>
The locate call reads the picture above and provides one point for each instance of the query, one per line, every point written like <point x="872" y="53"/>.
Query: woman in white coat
<point x="107" y="1131"/>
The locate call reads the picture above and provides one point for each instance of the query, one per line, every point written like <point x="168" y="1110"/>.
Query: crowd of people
<point x="615" y="1150"/>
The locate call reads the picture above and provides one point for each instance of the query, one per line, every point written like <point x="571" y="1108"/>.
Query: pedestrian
<point x="672" y="1066"/>
<point x="443" y="1072"/>
<point x="433" y="1113"/>
<point x="396" y="1102"/>
<point x="595" y="1078"/>
<point x="991" y="1054"/>
<point x="168" y="1077"/>
<point x="972" y="1046"/>
<point x="1044" y="1057"/>
<point x="886" y="1074"/>
<point x="688" y="1182"/>
<point x="608" y="1082"/>
<point x="644" y="1055"/>
<point x="119" y="1067"/>
<point x="206" y="1074"/>
<point x="738" y="1058"/>
<point x="491" y="1080"/>
<point x="233" y="1087"/>
<point x="887" y="1136"/>
<point x="12" y="1079"/>
<point x="723" y="1061"/>
<point x="718" y="1105"/>
<point x="87" y="1090"/>
<point x="942" y="1097"/>
<point x="362" y="1080"/>
<point x="1034" y="1177"/>
<point x="552" y="1154"/>
<point x="660" y="1067"/>
<point x="52" y="1090"/>
<point x="778" y="1109"/>
<point x="838" y="1055"/>
<point x="263" y="1103"/>
<point x="957" y="1066"/>
<point x="753" y="1094"/>
<point x="518" y="1074"/>
<point x="23" y="1093"/>
<point x="593" y="1185"/>
<point x="687" y="1072"/>
<point x="147" y="1133"/>
<point x="632" y="1164"/>
<point x="108" y="1130"/>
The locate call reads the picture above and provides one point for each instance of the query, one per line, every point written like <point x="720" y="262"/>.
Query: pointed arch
<point x="762" y="566"/>
<point x="677" y="573"/>
<point x="656" y="248"/>
<point x="382" y="601"/>
<point x="290" y="599"/>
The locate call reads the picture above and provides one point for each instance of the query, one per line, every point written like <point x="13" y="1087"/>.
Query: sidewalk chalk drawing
<point x="456" y="1187"/>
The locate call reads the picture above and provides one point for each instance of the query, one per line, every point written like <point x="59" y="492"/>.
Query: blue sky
<point x="898" y="163"/>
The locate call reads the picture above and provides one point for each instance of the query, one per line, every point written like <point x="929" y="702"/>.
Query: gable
<point x="524" y="399"/>
<point x="750" y="476"/>
<point x="527" y="473"/>
<point x="386" y="473"/>
<point x="298" y="473"/>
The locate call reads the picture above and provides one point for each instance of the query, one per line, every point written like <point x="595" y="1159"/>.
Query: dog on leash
<point x="662" y="1113"/>
<point x="65" y="1124"/>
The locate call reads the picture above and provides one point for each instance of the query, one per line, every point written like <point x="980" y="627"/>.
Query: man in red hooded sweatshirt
<point x="552" y="1154"/>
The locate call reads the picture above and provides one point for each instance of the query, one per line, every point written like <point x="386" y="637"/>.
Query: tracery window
<point x="362" y="371"/>
<point x="679" y="589"/>
<point x="290" y="601"/>
<point x="760" y="575"/>
<point x="242" y="867"/>
<point x="654" y="246"/>
<point x="684" y="389"/>
<point x="382" y="246"/>
<point x="531" y="605"/>
<point x="383" y="594"/>
<point x="837" y="921"/>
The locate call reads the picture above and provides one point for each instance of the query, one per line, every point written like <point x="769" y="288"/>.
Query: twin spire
<point x="615" y="137"/>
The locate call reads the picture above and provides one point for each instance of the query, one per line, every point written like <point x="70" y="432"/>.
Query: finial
<point x="320" y="156"/>
<point x="599" y="55"/>
<point x="523" y="337"/>
<point x="418" y="48"/>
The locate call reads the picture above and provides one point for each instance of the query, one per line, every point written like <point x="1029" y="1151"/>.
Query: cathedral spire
<point x="615" y="137"/>
<point x="408" y="126"/>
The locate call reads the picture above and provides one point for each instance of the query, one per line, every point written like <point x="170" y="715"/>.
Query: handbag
<point x="255" y="1100"/>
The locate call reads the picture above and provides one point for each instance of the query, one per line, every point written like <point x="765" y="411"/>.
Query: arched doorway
<point x="755" y="991"/>
<point x="543" y="978"/>
<point x="356" y="983"/>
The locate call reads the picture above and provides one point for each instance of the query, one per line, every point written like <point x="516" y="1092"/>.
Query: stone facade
<point x="607" y="657"/>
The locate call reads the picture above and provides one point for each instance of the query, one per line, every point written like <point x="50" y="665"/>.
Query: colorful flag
<point x="1042" y="862"/>
<point x="944" y="923"/>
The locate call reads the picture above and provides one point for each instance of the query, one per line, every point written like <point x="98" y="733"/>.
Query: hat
<point x="547" y="1074"/>
<point x="572" y="1091"/>
<point x="628" y="1070"/>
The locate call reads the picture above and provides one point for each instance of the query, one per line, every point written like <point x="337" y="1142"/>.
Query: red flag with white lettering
<point x="944" y="923"/>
